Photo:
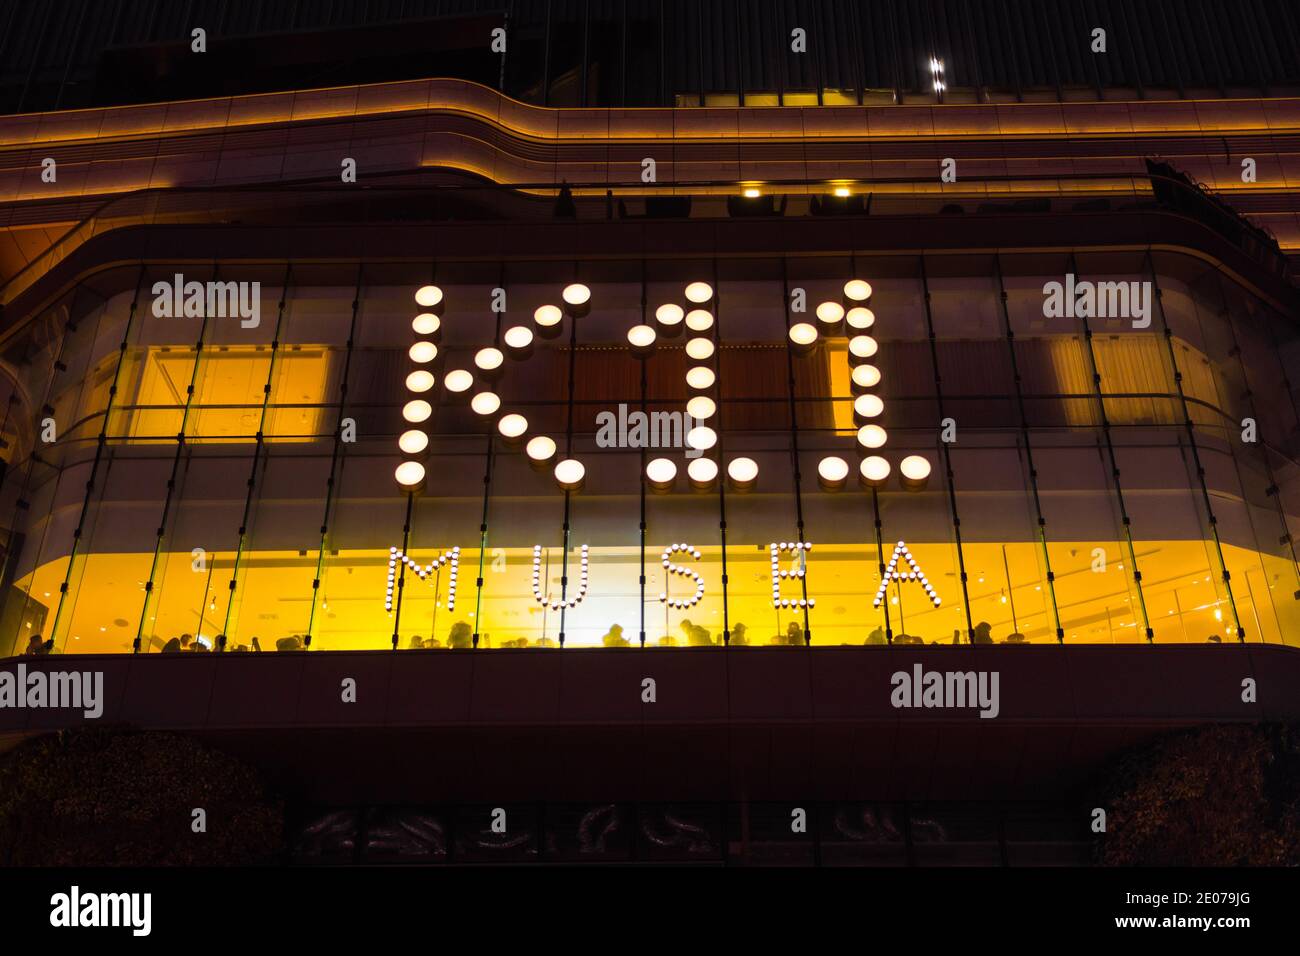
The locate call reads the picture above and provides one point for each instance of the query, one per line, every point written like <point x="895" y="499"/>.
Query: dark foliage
<point x="114" y="797"/>
<point x="1224" y="795"/>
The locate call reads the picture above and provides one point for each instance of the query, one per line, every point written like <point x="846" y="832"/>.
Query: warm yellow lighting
<point x="914" y="470"/>
<point x="863" y="346"/>
<point x="669" y="314"/>
<point x="419" y="381"/>
<point x="660" y="472"/>
<point x="485" y="403"/>
<point x="426" y="323"/>
<point x="699" y="320"/>
<point x="489" y="359"/>
<point x="413" y="442"/>
<point x="422" y="352"/>
<point x="861" y="318"/>
<point x="832" y="471"/>
<point x="540" y="448"/>
<point x="702" y="472"/>
<point x="803" y="334"/>
<point x="842" y="192"/>
<point x="868" y="406"/>
<point x="641" y="338"/>
<point x="700" y="377"/>
<point x="701" y="407"/>
<point x="548" y="315"/>
<point x="569" y="473"/>
<point x="409" y="474"/>
<point x="858" y="290"/>
<point x="518" y="337"/>
<point x="871" y="436"/>
<point x="417" y="411"/>
<point x="458" y="380"/>
<point x="428" y="296"/>
<point x="700" y="349"/>
<point x="874" y="470"/>
<point x="698" y="292"/>
<point x="830" y="312"/>
<point x="743" y="471"/>
<point x="752" y="192"/>
<point x="701" y="437"/>
<point x="866" y="376"/>
<point x="576" y="294"/>
<point x="512" y="426"/>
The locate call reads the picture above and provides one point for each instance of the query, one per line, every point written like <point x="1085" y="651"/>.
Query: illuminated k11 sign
<point x="797" y="572"/>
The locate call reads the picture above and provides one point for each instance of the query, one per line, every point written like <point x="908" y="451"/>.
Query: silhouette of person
<point x="794" y="633"/>
<point x="614" y="637"/>
<point x="983" y="633"/>
<point x="696" y="636"/>
<point x="461" y="636"/>
<point x="738" y="634"/>
<point x="875" y="637"/>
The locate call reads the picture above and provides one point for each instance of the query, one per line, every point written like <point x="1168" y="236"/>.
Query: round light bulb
<point x="426" y="323"/>
<point x="641" y="336"/>
<point x="743" y="471"/>
<point x="701" y="407"/>
<point x="512" y="426"/>
<point x="701" y="437"/>
<point x="832" y="470"/>
<point x="423" y="352"/>
<point x="699" y="349"/>
<point x="569" y="473"/>
<point x="489" y="359"/>
<point x="701" y="376"/>
<point x="872" y="436"/>
<point x="868" y="406"/>
<point x="803" y="333"/>
<point x="699" y="320"/>
<point x="518" y="337"/>
<point x="914" y="469"/>
<point x="417" y="411"/>
<point x="485" y="403"/>
<point x="428" y="296"/>
<point x="669" y="314"/>
<point x="830" y="312"/>
<point x="413" y="442"/>
<point x="576" y="294"/>
<point x="863" y="346"/>
<point x="860" y="318"/>
<point x="660" y="471"/>
<point x="548" y="315"/>
<point x="409" y="474"/>
<point x="698" y="292"/>
<point x="540" y="448"/>
<point x="874" y="469"/>
<point x="858" y="290"/>
<point x="419" y="381"/>
<point x="866" y="376"/>
<point x="458" y="380"/>
<point x="702" y="471"/>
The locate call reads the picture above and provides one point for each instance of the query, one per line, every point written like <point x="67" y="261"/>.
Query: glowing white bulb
<point x="871" y="436"/>
<point x="860" y="317"/>
<point x="458" y="380"/>
<point x="874" y="469"/>
<point x="833" y="470"/>
<point x="858" y="290"/>
<point x="914" y="468"/>
<point x="569" y="473"/>
<point x="669" y="314"/>
<point x="428" y="296"/>
<point x="417" y="411"/>
<point x="742" y="471"/>
<point x="485" y="403"/>
<point x="863" y="346"/>
<point x="866" y="376"/>
<point x="518" y="337"/>
<point x="426" y="323"/>
<point x="699" y="349"/>
<point x="700" y="377"/>
<point x="419" y="381"/>
<point x="803" y="333"/>
<point x="699" y="320"/>
<point x="868" y="406"/>
<point x="548" y="315"/>
<point x="576" y="294"/>
<point x="842" y="192"/>
<point x="540" y="448"/>
<point x="423" y="352"/>
<point x="701" y="407"/>
<point x="641" y="336"/>
<point x="830" y="312"/>
<point x="701" y="437"/>
<point x="660" y="471"/>
<point x="409" y="474"/>
<point x="512" y="426"/>
<point x="702" y="471"/>
<point x="488" y="359"/>
<point x="698" y="292"/>
<point x="413" y="442"/>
